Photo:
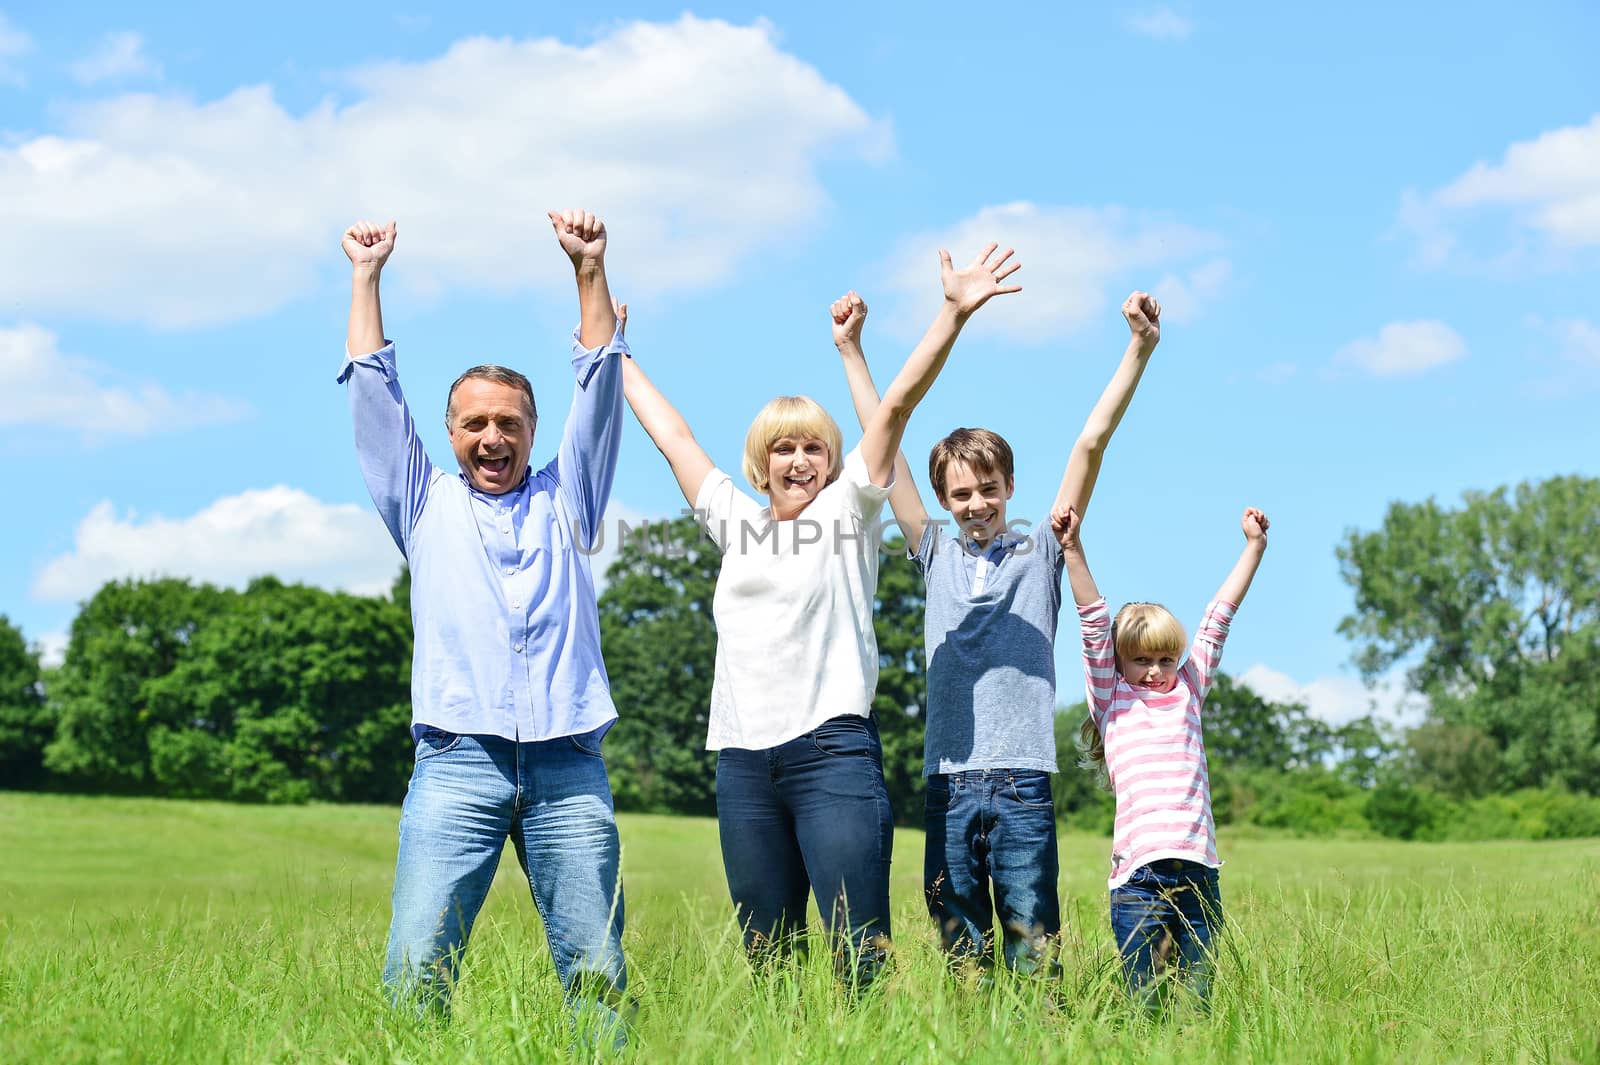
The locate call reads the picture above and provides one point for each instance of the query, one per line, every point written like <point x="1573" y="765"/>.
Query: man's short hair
<point x="796" y="417"/>
<point x="980" y="449"/>
<point x="499" y="374"/>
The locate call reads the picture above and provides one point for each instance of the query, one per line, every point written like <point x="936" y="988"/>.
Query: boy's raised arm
<point x="965" y="291"/>
<point x="1143" y="315"/>
<point x="849" y="314"/>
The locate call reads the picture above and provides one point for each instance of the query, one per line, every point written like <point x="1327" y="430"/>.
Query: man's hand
<point x="582" y="237"/>
<point x="1255" y="526"/>
<point x="1065" y="523"/>
<point x="368" y="245"/>
<point x="849" y="315"/>
<point x="968" y="289"/>
<point x="1144" y="318"/>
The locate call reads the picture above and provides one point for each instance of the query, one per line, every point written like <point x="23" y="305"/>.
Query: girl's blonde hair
<point x="1146" y="627"/>
<point x="1138" y="627"/>
<point x="795" y="417"/>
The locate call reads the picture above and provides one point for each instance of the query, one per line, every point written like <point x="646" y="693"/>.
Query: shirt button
<point x="518" y="648"/>
<point x="515" y="604"/>
<point x="511" y="571"/>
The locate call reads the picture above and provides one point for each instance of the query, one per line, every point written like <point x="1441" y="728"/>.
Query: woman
<point x="801" y="802"/>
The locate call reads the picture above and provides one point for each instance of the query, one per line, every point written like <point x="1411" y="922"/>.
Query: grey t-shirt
<point x="990" y="635"/>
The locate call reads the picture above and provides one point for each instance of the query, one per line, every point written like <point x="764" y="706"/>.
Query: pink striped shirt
<point x="1155" y="752"/>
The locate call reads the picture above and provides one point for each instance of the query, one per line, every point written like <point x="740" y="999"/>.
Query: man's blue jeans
<point x="810" y="815"/>
<point x="1165" y="918"/>
<point x="467" y="794"/>
<point x="994" y="827"/>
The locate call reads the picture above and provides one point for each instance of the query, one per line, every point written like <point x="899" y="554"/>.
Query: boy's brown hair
<point x="980" y="449"/>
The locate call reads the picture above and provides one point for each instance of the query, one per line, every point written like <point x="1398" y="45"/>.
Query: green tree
<point x="901" y="701"/>
<point x="127" y="635"/>
<point x="1479" y="594"/>
<point x="1245" y="729"/>
<point x="25" y="721"/>
<point x="1496" y="606"/>
<point x="290" y="693"/>
<point x="660" y="651"/>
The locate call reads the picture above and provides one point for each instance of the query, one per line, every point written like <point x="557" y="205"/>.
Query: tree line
<point x="286" y="693"/>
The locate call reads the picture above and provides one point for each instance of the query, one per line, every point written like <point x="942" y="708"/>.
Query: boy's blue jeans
<point x="994" y="826"/>
<point x="467" y="794"/>
<point x="1165" y="918"/>
<point x="810" y="816"/>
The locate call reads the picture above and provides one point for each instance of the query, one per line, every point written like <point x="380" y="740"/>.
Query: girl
<point x="801" y="801"/>
<point x="1144" y="731"/>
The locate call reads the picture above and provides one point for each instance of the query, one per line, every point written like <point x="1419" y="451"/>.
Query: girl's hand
<point x="1065" y="523"/>
<point x="849" y="316"/>
<point x="1144" y="317"/>
<point x="1255" y="526"/>
<point x="621" y="311"/>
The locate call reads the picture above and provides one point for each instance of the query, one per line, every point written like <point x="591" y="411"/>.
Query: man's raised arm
<point x="590" y="442"/>
<point x="369" y="247"/>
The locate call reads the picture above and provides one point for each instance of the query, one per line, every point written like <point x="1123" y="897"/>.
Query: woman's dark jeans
<point x="810" y="815"/>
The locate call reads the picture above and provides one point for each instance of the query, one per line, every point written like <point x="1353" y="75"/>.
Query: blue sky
<point x="1376" y="232"/>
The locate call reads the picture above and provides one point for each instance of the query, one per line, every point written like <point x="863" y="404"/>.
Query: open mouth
<point x="494" y="467"/>
<point x="800" y="482"/>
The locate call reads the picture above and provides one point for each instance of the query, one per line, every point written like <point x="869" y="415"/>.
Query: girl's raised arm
<point x="1255" y="525"/>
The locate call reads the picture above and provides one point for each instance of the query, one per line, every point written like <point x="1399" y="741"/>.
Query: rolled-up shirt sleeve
<point x="592" y="438"/>
<point x="393" y="463"/>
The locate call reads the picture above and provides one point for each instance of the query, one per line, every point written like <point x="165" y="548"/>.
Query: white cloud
<point x="1580" y="341"/>
<point x="697" y="141"/>
<point x="1547" y="189"/>
<point x="40" y="385"/>
<point x="1338" y="699"/>
<point x="13" y="44"/>
<point x="1162" y="23"/>
<point x="52" y="648"/>
<point x="1071" y="257"/>
<point x="118" y="55"/>
<point x="280" y="531"/>
<point x="1403" y="349"/>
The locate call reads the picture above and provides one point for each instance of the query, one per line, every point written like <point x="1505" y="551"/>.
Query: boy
<point x="992" y="602"/>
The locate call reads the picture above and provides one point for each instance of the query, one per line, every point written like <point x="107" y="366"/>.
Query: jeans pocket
<point x="844" y="736"/>
<point x="1031" y="789"/>
<point x="587" y="743"/>
<point x="436" y="741"/>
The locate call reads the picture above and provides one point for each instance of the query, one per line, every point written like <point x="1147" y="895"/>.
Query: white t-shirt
<point x="793" y="608"/>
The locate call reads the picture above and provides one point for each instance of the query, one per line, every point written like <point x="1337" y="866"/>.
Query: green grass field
<point x="150" y="931"/>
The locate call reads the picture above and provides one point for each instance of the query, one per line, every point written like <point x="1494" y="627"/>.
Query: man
<point x="509" y="692"/>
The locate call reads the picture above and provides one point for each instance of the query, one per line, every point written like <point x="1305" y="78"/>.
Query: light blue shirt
<point x="502" y="600"/>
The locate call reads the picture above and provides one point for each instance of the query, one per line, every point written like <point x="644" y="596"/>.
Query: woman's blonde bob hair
<point x="796" y="417"/>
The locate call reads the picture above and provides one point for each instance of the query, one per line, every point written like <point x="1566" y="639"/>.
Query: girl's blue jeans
<point x="1165" y="919"/>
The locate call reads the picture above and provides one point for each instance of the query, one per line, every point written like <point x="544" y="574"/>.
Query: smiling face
<point x="797" y="469"/>
<point x="1149" y="669"/>
<point x="976" y="498"/>
<point x="491" y="431"/>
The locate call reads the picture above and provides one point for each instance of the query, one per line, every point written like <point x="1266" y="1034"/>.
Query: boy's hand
<point x="621" y="311"/>
<point x="849" y="315"/>
<point x="1065" y="523"/>
<point x="970" y="288"/>
<point x="369" y="245"/>
<point x="1255" y="526"/>
<point x="582" y="237"/>
<point x="1144" y="318"/>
